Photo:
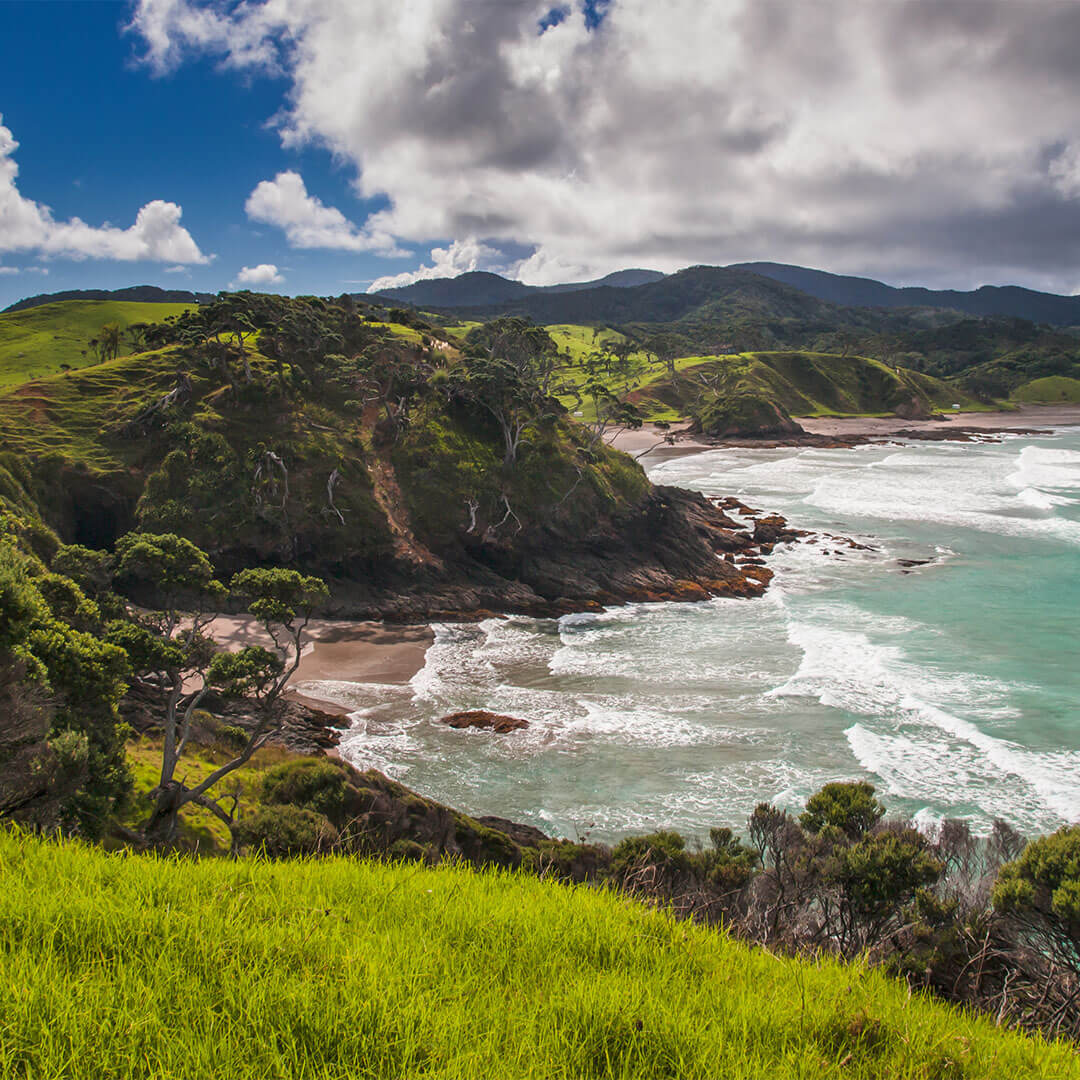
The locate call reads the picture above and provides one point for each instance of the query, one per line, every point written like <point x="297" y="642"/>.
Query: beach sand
<point x="1026" y="416"/>
<point x="366" y="652"/>
<point x="650" y="439"/>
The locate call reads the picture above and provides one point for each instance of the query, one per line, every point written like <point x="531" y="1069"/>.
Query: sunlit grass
<point x="40" y="340"/>
<point x="123" y="966"/>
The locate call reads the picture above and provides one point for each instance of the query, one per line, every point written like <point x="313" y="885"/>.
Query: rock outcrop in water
<point x="489" y="721"/>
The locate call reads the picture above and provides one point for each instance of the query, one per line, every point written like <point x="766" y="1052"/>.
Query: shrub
<point x="280" y="831"/>
<point x="309" y="783"/>
<point x="849" y="807"/>
<point x="1041" y="892"/>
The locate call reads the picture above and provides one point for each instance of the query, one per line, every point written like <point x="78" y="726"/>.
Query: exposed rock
<point x="478" y="718"/>
<point x="774" y="530"/>
<point x="914" y="409"/>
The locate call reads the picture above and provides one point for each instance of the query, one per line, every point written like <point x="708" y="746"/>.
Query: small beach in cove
<point x="935" y="663"/>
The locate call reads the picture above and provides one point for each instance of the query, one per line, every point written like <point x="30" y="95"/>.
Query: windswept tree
<point x="1039" y="892"/>
<point x="509" y="370"/>
<point x="391" y="378"/>
<point x="171" y="649"/>
<point x="107" y="343"/>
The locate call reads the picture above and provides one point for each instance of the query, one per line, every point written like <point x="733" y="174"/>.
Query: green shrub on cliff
<point x="1041" y="892"/>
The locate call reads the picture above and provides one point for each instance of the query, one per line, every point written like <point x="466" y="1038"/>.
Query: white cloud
<point x="909" y="138"/>
<point x="10" y="270"/>
<point x="461" y="257"/>
<point x="263" y="274"/>
<point x="178" y="269"/>
<point x="308" y="223"/>
<point x="26" y="225"/>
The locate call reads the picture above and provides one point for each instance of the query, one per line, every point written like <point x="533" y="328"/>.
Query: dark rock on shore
<point x="774" y="529"/>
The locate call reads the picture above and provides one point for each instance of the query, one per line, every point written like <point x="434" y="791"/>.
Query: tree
<point x="391" y="378"/>
<point x="1040" y="893"/>
<point x="509" y="366"/>
<point x="61" y="753"/>
<point x="107" y="343"/>
<point x="170" y="648"/>
<point x="875" y="879"/>
<point x="850" y="808"/>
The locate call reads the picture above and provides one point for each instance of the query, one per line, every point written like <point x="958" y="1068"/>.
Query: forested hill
<point x="135" y="293"/>
<point x="478" y="288"/>
<point x="485" y="292"/>
<point x="421" y="472"/>
<point x="700" y="293"/>
<point x="989" y="300"/>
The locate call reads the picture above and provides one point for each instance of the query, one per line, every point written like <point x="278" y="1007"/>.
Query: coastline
<point x="839" y="431"/>
<point x="390" y="653"/>
<point x="349" y="651"/>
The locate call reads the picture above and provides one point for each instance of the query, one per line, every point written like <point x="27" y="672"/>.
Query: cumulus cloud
<point x="461" y="257"/>
<point x="285" y="202"/>
<point x="26" y="225"/>
<point x="263" y="274"/>
<point x="930" y="139"/>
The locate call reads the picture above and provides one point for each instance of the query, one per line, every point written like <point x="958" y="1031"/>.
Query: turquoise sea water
<point x="953" y="686"/>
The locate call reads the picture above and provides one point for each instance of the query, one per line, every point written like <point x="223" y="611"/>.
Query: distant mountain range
<point x="649" y="296"/>
<point x="480" y="289"/>
<point x="149" y="294"/>
<point x="484" y="291"/>
<point x="989" y="300"/>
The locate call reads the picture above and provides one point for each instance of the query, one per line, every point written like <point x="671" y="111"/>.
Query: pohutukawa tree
<point x="509" y="368"/>
<point x="170" y="648"/>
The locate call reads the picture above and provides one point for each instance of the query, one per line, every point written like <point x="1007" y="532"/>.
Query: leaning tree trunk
<point x="161" y="828"/>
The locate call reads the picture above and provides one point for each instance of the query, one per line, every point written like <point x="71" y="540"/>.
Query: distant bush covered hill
<point x="479" y="288"/>
<point x="989" y="300"/>
<point x="146" y="294"/>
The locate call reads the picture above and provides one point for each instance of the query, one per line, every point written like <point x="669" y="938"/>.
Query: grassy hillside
<point x="39" y="340"/>
<point x="1049" y="390"/>
<point x="803" y="383"/>
<point x="128" y="966"/>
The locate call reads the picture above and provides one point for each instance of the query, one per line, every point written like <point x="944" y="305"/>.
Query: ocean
<point x="953" y="685"/>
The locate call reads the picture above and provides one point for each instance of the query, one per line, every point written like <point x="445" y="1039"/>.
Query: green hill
<point x="42" y="340"/>
<point x="801" y="383"/>
<point x="354" y="445"/>
<point x="131" y="966"/>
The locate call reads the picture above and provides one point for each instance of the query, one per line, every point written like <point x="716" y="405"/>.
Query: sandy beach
<point x="347" y="651"/>
<point x="653" y="440"/>
<point x="1026" y="416"/>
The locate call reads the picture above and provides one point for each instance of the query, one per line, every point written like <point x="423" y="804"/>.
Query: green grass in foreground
<point x="35" y="342"/>
<point x="128" y="966"/>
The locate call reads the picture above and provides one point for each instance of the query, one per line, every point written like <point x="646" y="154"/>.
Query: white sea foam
<point x="685" y="716"/>
<point x="911" y="708"/>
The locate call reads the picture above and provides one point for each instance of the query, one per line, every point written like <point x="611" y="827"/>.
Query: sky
<point x="325" y="146"/>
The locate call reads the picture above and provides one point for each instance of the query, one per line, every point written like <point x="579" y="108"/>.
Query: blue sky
<point x="100" y="135"/>
<point x="324" y="144"/>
